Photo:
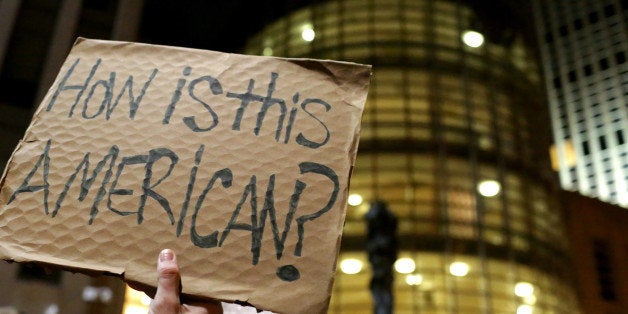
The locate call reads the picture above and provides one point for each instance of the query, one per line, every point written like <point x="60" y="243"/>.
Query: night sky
<point x="220" y="25"/>
<point x="216" y="25"/>
<point x="225" y="25"/>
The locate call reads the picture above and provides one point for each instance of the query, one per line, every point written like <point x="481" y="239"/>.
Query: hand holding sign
<point x="238" y="163"/>
<point x="167" y="299"/>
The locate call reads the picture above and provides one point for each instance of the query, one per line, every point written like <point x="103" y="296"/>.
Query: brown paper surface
<point x="240" y="164"/>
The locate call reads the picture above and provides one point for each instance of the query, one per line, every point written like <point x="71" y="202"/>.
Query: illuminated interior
<point x="135" y="302"/>
<point x="509" y="285"/>
<point x="451" y="141"/>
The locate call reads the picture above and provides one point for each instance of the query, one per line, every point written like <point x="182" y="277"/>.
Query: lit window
<point x="459" y="269"/>
<point x="472" y="39"/>
<point x="52" y="309"/>
<point x="489" y="188"/>
<point x="135" y="302"/>
<point x="351" y="266"/>
<point x="355" y="199"/>
<point x="405" y="265"/>
<point x="570" y="156"/>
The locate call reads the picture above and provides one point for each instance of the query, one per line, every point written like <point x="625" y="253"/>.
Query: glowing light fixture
<point x="90" y="294"/>
<point x="524" y="309"/>
<point x="105" y="295"/>
<point x="489" y="188"/>
<point x="52" y="309"/>
<point x="308" y="33"/>
<point x="524" y="289"/>
<point x="405" y="265"/>
<point x="267" y="51"/>
<point x="414" y="279"/>
<point x="351" y="266"/>
<point x="355" y="199"/>
<point x="531" y="299"/>
<point x="472" y="39"/>
<point x="459" y="269"/>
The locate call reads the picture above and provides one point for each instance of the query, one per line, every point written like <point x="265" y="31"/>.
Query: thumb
<point x="167" y="295"/>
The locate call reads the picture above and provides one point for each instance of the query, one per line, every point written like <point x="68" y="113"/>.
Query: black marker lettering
<point x="269" y="209"/>
<point x="63" y="87"/>
<point x="86" y="183"/>
<point x="132" y="160"/>
<point x="245" y="98"/>
<point x="288" y="273"/>
<point x="293" y="115"/>
<point x="307" y="167"/>
<point x="210" y="240"/>
<point x="269" y="102"/>
<point x="301" y="138"/>
<point x="250" y="189"/>
<point x="188" y="194"/>
<point x="216" y="89"/>
<point x="101" y="192"/>
<point x="134" y="103"/>
<point x="44" y="159"/>
<point x="106" y="101"/>
<point x="176" y="95"/>
<point x="153" y="156"/>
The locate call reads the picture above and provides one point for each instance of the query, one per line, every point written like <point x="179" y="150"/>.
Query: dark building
<point x="599" y="237"/>
<point x="35" y="37"/>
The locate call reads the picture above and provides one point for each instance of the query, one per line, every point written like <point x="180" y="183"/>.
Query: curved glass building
<point x="454" y="139"/>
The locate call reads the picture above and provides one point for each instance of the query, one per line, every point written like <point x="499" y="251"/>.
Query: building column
<point x="61" y="43"/>
<point x="9" y="10"/>
<point x="127" y="22"/>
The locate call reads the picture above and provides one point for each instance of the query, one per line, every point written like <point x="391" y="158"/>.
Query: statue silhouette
<point x="381" y="245"/>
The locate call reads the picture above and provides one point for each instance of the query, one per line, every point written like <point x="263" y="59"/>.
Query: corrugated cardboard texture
<point x="240" y="164"/>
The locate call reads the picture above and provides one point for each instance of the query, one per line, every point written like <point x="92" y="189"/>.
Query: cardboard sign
<point x="240" y="164"/>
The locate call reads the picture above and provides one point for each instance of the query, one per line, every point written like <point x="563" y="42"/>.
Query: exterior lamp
<point x="489" y="188"/>
<point x="405" y="265"/>
<point x="472" y="39"/>
<point x="308" y="33"/>
<point x="355" y="199"/>
<point x="459" y="269"/>
<point x="351" y="266"/>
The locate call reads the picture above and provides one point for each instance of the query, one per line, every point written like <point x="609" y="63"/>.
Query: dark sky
<point x="222" y="25"/>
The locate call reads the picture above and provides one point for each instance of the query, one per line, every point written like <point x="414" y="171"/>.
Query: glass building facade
<point x="454" y="139"/>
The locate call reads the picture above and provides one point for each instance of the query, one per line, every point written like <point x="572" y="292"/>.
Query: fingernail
<point x="166" y="255"/>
